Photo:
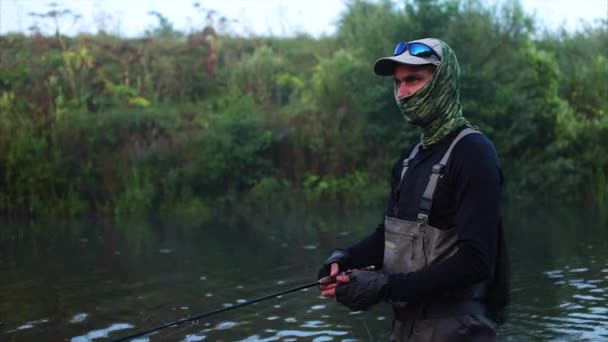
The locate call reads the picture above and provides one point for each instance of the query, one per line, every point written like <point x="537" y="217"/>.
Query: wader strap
<point x="439" y="310"/>
<point x="406" y="163"/>
<point x="426" y="201"/>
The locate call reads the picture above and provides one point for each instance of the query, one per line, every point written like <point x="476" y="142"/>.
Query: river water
<point x="84" y="280"/>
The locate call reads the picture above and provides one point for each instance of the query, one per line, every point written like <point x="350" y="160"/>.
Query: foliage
<point x="185" y="123"/>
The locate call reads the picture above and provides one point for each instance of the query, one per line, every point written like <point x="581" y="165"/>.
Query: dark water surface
<point x="96" y="281"/>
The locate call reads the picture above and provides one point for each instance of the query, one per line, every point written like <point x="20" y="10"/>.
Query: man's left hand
<point x="364" y="289"/>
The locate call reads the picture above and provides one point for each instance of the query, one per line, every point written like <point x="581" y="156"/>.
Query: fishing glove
<point x="339" y="256"/>
<point x="364" y="290"/>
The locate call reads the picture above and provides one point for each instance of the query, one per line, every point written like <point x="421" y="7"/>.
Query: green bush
<point x="183" y="124"/>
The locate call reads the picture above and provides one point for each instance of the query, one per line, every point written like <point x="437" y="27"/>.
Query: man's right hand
<point x="329" y="283"/>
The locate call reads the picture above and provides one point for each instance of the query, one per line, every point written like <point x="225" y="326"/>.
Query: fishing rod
<point x="240" y="305"/>
<point x="210" y="313"/>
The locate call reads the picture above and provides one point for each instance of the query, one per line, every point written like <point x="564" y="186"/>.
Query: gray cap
<point x="385" y="66"/>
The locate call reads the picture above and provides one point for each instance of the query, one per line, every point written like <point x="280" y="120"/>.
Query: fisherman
<point x="440" y="248"/>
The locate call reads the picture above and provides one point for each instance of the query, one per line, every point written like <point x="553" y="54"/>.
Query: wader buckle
<point x="437" y="168"/>
<point x="422" y="219"/>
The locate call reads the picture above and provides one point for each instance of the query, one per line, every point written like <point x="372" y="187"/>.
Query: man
<point x="440" y="248"/>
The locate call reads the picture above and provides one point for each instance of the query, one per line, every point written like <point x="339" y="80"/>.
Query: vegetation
<point x="183" y="123"/>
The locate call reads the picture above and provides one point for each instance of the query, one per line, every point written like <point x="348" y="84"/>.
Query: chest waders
<point x="411" y="246"/>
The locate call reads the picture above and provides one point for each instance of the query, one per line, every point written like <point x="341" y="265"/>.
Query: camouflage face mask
<point x="435" y="109"/>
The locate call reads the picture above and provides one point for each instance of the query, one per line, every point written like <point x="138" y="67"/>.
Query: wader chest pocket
<point x="402" y="252"/>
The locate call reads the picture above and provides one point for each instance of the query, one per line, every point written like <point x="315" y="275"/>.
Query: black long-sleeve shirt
<point x="467" y="198"/>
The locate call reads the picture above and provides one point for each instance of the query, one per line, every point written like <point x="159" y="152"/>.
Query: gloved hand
<point x="364" y="290"/>
<point x="337" y="256"/>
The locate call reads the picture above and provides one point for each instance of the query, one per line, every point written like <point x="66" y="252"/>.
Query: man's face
<point x="410" y="78"/>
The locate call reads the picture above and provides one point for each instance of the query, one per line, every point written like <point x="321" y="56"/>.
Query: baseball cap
<point x="422" y="55"/>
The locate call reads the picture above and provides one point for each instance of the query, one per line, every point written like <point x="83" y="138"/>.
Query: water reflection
<point x="558" y="257"/>
<point x="79" y="318"/>
<point x="95" y="281"/>
<point x="320" y="335"/>
<point x="96" y="334"/>
<point x="29" y="325"/>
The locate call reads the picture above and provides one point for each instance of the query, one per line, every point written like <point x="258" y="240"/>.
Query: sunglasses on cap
<point x="416" y="49"/>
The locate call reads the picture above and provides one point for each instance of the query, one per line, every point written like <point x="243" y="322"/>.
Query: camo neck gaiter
<point x="435" y="109"/>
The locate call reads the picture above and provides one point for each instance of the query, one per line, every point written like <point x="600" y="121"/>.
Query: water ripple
<point x="101" y="332"/>
<point x="314" y="324"/>
<point x="78" y="318"/>
<point x="29" y="325"/>
<point x="319" y="335"/>
<point x="194" y="338"/>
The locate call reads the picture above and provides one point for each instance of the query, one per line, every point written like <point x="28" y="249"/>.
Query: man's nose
<point x="403" y="91"/>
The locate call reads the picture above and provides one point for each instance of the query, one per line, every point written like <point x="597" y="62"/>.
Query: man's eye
<point x="411" y="79"/>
